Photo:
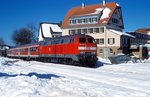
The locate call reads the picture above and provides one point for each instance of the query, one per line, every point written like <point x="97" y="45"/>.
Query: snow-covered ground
<point x="35" y="79"/>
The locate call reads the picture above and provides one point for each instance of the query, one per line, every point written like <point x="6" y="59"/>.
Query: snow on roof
<point x="106" y="13"/>
<point x="45" y="30"/>
<point x="98" y="10"/>
<point x="122" y="33"/>
<point x="55" y="28"/>
<point x="117" y="4"/>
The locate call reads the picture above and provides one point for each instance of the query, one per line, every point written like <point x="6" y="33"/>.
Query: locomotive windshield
<point x="82" y="40"/>
<point x="91" y="40"/>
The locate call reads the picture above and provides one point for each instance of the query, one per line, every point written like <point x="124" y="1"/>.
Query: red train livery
<point x="76" y="49"/>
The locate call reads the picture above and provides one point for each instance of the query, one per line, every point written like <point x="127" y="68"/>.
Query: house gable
<point x="116" y="20"/>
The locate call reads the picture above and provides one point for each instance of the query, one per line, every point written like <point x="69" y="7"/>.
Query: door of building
<point x="105" y="52"/>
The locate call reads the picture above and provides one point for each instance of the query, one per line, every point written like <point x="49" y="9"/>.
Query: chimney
<point x="104" y="3"/>
<point x="83" y="4"/>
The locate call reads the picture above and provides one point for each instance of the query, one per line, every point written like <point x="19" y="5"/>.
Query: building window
<point x="90" y="30"/>
<point x="84" y="30"/>
<point x="111" y="50"/>
<point x="89" y="20"/>
<point x="84" y="20"/>
<point x="79" y="21"/>
<point x="101" y="29"/>
<point x="95" y="19"/>
<point x="70" y="21"/>
<point x="72" y="32"/>
<point x="111" y="40"/>
<point x="114" y="20"/>
<point x="96" y="30"/>
<point x="101" y="41"/>
<point x="97" y="41"/>
<point x="100" y="50"/>
<point x="78" y="31"/>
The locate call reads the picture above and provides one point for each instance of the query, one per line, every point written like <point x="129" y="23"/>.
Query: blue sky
<point x="15" y="14"/>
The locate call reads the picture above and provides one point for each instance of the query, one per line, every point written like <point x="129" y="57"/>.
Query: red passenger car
<point x="24" y="52"/>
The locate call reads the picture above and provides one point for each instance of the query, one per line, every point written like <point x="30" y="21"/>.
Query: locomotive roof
<point x="27" y="45"/>
<point x="57" y="40"/>
<point x="49" y="39"/>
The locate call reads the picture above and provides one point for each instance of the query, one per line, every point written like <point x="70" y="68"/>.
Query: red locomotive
<point x="76" y="49"/>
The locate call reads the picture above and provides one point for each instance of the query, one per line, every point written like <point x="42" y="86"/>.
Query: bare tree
<point x="22" y="36"/>
<point x="2" y="41"/>
<point x="33" y="29"/>
<point x="25" y="35"/>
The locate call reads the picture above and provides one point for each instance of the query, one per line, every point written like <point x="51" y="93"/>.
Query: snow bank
<point x="35" y="79"/>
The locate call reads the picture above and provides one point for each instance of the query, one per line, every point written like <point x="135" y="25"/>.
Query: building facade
<point x="102" y="21"/>
<point x="140" y="45"/>
<point x="145" y="31"/>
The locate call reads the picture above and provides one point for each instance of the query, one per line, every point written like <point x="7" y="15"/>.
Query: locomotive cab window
<point x="91" y="40"/>
<point x="82" y="40"/>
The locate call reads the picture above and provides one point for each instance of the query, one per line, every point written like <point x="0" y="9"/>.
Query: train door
<point x="19" y="53"/>
<point x="28" y="52"/>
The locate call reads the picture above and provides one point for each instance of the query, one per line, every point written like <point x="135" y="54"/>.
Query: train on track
<point x="75" y="50"/>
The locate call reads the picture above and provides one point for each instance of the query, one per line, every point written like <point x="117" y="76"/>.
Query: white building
<point x="102" y="21"/>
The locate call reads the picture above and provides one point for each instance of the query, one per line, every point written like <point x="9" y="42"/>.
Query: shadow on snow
<point x="101" y="63"/>
<point x="41" y="76"/>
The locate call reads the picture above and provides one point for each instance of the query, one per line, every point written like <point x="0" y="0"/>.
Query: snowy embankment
<point x="35" y="79"/>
